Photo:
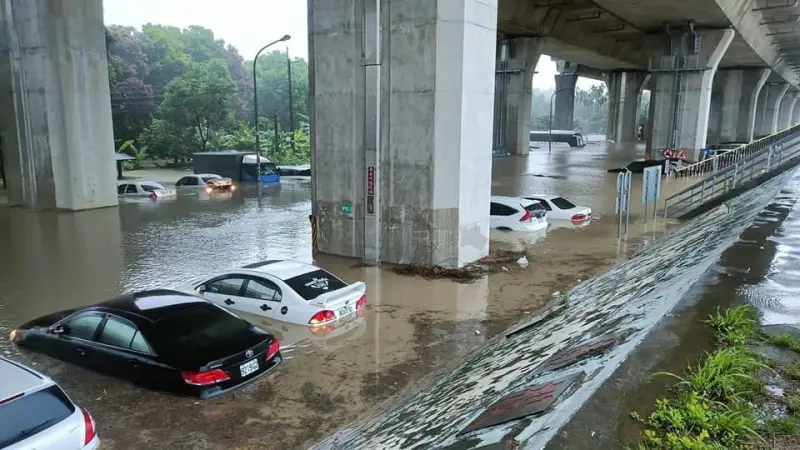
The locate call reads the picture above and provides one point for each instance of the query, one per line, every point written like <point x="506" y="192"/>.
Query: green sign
<point x="347" y="208"/>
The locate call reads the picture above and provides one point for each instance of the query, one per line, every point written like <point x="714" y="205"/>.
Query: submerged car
<point x="149" y="189"/>
<point x="36" y="414"/>
<point x="559" y="208"/>
<point x="285" y="290"/>
<point x="209" y="181"/>
<point x="164" y="340"/>
<point x="516" y="214"/>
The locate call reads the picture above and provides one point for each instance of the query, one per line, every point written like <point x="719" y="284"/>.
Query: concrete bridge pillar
<point x="55" y="108"/>
<point x="733" y="104"/>
<point x="768" y="108"/>
<point x="683" y="90"/>
<point x="787" y="110"/>
<point x="564" y="107"/>
<point x="624" y="89"/>
<point x="401" y="96"/>
<point x="513" y="92"/>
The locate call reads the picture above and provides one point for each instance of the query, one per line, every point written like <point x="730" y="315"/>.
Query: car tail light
<point x="273" y="349"/>
<point x="88" y="426"/>
<point x="527" y="216"/>
<point x="579" y="217"/>
<point x="206" y="378"/>
<point x="153" y="195"/>
<point x="322" y="317"/>
<point x="362" y="302"/>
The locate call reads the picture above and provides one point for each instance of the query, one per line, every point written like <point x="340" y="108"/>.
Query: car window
<point x="117" y="333"/>
<point x="226" y="286"/>
<point x="499" y="209"/>
<point x="209" y="178"/>
<point x="139" y="344"/>
<point x="191" y="181"/>
<point x="182" y="181"/>
<point x="268" y="168"/>
<point x="563" y="203"/>
<point x="313" y="284"/>
<point x="150" y="187"/>
<point x="544" y="203"/>
<point x="121" y="188"/>
<point x="131" y="189"/>
<point x="199" y="327"/>
<point x="83" y="327"/>
<point x="32" y="413"/>
<point x="263" y="290"/>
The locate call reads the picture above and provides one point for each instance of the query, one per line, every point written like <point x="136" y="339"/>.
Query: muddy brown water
<point x="760" y="269"/>
<point x="412" y="328"/>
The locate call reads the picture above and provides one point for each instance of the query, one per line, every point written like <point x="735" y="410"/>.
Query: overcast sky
<point x="249" y="24"/>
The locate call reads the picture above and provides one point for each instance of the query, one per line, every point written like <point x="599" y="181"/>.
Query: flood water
<point x="760" y="269"/>
<point x="412" y="327"/>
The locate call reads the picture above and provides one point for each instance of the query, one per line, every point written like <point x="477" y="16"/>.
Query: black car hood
<point x="47" y="320"/>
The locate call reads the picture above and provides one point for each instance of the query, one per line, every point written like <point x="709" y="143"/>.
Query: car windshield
<point x="313" y="284"/>
<point x="195" y="326"/>
<point x="32" y="413"/>
<point x="150" y="187"/>
<point x="562" y="203"/>
<point x="211" y="177"/>
<point x="268" y="168"/>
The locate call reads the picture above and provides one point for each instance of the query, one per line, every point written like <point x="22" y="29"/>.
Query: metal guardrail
<point x="742" y="170"/>
<point x="727" y="159"/>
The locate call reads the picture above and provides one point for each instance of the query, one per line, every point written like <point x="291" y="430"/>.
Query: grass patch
<point x="793" y="370"/>
<point x="783" y="426"/>
<point x="711" y="406"/>
<point x="786" y="340"/>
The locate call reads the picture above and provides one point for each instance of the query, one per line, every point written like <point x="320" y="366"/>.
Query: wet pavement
<point x="412" y="328"/>
<point x="760" y="269"/>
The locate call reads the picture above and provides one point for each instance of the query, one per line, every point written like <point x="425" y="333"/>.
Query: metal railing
<point x="727" y="159"/>
<point x="742" y="170"/>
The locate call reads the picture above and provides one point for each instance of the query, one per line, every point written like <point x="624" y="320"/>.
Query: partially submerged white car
<point x="559" y="208"/>
<point x="285" y="290"/>
<point x="148" y="189"/>
<point x="516" y="214"/>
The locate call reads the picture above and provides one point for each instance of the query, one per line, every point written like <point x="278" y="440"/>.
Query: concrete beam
<point x="55" y="107"/>
<point x="434" y="78"/>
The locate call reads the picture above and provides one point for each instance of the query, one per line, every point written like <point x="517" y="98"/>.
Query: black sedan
<point x="164" y="340"/>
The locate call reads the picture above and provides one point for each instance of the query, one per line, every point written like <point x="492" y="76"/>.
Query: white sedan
<point x="559" y="208"/>
<point x="516" y="214"/>
<point x="149" y="189"/>
<point x="289" y="291"/>
<point x="211" y="182"/>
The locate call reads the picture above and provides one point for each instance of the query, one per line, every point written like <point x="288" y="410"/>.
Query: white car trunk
<point x="341" y="301"/>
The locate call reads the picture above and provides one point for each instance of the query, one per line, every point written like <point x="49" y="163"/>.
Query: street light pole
<point x="255" y="110"/>
<point x="550" y="120"/>
<point x="291" y="99"/>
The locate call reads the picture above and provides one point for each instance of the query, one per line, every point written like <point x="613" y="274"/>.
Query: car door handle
<point x="229" y="301"/>
<point x="82" y="352"/>
<point x="265" y="308"/>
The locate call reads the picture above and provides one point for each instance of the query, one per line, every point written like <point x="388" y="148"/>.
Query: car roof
<point x="282" y="268"/>
<point x="18" y="379"/>
<point x="510" y="200"/>
<point x="207" y="175"/>
<point x="544" y="196"/>
<point x="148" y="306"/>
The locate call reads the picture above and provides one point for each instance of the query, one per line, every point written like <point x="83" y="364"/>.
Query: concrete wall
<point x="436" y="91"/>
<point x="55" y="107"/>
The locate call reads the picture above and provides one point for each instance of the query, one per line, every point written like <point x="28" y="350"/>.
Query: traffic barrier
<point x="682" y="154"/>
<point x="648" y="156"/>
<point x="669" y="153"/>
<point x="313" y="221"/>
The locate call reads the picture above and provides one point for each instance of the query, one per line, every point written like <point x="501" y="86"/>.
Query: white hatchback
<point x="285" y="290"/>
<point x="516" y="214"/>
<point x="36" y="414"/>
<point x="149" y="189"/>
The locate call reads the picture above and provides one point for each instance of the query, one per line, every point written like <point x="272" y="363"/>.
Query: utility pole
<point x="291" y="99"/>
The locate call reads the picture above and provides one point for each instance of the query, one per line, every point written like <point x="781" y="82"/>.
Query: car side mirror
<point x="60" y="329"/>
<point x="200" y="289"/>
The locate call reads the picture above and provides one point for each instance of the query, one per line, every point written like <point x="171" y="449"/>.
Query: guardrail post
<point x="735" y="173"/>
<point x="769" y="159"/>
<point x="714" y="164"/>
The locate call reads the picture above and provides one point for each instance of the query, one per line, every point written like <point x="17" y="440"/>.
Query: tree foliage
<point x="178" y="91"/>
<point x="590" y="113"/>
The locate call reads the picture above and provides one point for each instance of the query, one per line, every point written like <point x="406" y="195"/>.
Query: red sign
<point x="370" y="180"/>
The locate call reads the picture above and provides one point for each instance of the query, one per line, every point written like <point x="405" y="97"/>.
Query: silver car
<point x="36" y="414"/>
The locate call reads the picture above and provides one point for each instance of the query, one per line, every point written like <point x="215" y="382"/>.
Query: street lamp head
<point x="285" y="38"/>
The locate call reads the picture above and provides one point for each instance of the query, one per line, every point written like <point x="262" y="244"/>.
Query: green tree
<point x="273" y="88"/>
<point x="165" y="53"/>
<point x="200" y="101"/>
<point x="164" y="140"/>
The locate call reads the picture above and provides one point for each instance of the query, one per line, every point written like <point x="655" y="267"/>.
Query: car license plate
<point x="248" y="367"/>
<point x="346" y="311"/>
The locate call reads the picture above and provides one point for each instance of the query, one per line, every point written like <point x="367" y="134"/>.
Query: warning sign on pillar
<point x="371" y="190"/>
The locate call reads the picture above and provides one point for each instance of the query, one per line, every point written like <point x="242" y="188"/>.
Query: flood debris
<point x="495" y="261"/>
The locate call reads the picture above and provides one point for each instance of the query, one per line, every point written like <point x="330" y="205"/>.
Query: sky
<point x="250" y="24"/>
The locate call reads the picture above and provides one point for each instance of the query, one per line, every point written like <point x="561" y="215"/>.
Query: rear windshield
<point x="207" y="179"/>
<point x="313" y="284"/>
<point x="195" y="326"/>
<point x="150" y="187"/>
<point x="562" y="203"/>
<point x="535" y="206"/>
<point x="32" y="413"/>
